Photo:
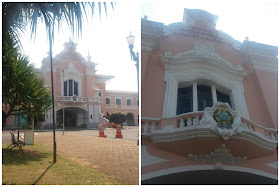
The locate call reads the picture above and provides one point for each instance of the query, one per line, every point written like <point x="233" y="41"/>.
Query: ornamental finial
<point x="88" y="57"/>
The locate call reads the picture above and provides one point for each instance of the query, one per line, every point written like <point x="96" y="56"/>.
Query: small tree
<point x="24" y="90"/>
<point x="117" y="118"/>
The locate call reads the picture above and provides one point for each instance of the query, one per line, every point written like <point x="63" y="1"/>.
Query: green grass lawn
<point x="35" y="166"/>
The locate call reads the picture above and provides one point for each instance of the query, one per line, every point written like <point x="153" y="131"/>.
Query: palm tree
<point x="23" y="89"/>
<point x="16" y="15"/>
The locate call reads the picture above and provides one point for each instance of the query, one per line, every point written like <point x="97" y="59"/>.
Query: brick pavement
<point x="114" y="158"/>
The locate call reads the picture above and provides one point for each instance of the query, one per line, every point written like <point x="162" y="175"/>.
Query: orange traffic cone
<point x="101" y="131"/>
<point x="118" y="131"/>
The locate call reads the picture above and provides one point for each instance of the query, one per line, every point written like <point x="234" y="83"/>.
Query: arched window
<point x="223" y="98"/>
<point x="70" y="88"/>
<point x="198" y="97"/>
<point x="185" y="100"/>
<point x="202" y="63"/>
<point x="108" y="101"/>
<point x="128" y="102"/>
<point x="118" y="101"/>
<point x="204" y="97"/>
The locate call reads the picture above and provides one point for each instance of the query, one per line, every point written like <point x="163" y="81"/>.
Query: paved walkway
<point x="117" y="159"/>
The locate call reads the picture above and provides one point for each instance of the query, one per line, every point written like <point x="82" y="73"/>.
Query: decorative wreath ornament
<point x="223" y="118"/>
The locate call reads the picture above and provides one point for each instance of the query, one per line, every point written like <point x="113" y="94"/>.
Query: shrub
<point x="117" y="118"/>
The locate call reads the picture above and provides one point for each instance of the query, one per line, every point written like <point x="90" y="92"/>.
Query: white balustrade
<point x="189" y="122"/>
<point x="272" y="136"/>
<point x="146" y="126"/>
<point x="182" y="123"/>
<point x="267" y="134"/>
<point x="250" y="127"/>
<point x="153" y="127"/>
<point x="196" y="120"/>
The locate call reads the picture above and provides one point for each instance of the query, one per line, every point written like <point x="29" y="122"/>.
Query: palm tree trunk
<point x="50" y="40"/>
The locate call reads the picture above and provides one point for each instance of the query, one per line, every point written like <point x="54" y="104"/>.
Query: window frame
<point x="131" y="104"/>
<point x="109" y="100"/>
<point x="116" y="101"/>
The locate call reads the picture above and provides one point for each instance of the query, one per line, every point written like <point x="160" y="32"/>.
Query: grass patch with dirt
<point x="35" y="166"/>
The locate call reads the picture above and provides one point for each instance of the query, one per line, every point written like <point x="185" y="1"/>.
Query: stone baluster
<point x="182" y="123"/>
<point x="196" y="120"/>
<point x="250" y="127"/>
<point x="272" y="136"/>
<point x="267" y="134"/>
<point x="146" y="126"/>
<point x="189" y="122"/>
<point x="153" y="127"/>
<point x="246" y="126"/>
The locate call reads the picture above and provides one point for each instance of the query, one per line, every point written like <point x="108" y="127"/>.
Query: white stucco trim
<point x="147" y="159"/>
<point x="273" y="164"/>
<point x="90" y="113"/>
<point x="61" y="107"/>
<point x="150" y="118"/>
<point x="202" y="63"/>
<point x="71" y="73"/>
<point x="96" y="113"/>
<point x="206" y="167"/>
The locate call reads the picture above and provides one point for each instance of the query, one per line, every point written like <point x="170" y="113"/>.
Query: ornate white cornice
<point x="260" y="56"/>
<point x="150" y="35"/>
<point x="168" y="28"/>
<point x="71" y="72"/>
<point x="203" y="51"/>
<point x="219" y="156"/>
<point x="90" y="71"/>
<point x="102" y="78"/>
<point x="191" y="15"/>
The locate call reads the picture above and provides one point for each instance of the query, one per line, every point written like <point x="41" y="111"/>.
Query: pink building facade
<point x="81" y="91"/>
<point x="209" y="105"/>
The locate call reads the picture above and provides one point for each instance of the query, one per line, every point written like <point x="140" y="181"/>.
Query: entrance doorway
<point x="73" y="116"/>
<point x="130" y="119"/>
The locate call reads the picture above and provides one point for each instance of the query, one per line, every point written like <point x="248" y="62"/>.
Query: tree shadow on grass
<point x="15" y="157"/>
<point x="42" y="175"/>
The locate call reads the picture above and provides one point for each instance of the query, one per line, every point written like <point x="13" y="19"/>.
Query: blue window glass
<point x="204" y="96"/>
<point x="223" y="98"/>
<point x="65" y="88"/>
<point x="70" y="87"/>
<point x="76" y="88"/>
<point x="184" y="100"/>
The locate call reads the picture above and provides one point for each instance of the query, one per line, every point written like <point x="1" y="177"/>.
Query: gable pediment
<point x="203" y="53"/>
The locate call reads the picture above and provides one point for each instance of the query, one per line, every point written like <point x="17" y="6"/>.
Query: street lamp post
<point x="134" y="57"/>
<point x="63" y="103"/>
